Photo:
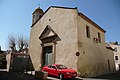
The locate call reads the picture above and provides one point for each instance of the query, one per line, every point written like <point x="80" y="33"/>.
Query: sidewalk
<point x="3" y="70"/>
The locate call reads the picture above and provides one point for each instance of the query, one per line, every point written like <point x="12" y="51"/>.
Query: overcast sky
<point x="16" y="16"/>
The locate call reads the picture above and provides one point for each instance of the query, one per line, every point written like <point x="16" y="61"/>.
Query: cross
<point x="38" y="5"/>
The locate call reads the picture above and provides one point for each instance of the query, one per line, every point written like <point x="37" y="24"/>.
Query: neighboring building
<point x="3" y="61"/>
<point x="19" y="61"/>
<point x="15" y="61"/>
<point x="116" y="49"/>
<point x="65" y="36"/>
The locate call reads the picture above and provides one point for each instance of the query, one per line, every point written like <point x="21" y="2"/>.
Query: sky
<point x="16" y="16"/>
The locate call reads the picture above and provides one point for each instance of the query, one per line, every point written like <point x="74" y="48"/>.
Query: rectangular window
<point x="115" y="49"/>
<point x="99" y="37"/>
<point x="116" y="57"/>
<point x="88" y="31"/>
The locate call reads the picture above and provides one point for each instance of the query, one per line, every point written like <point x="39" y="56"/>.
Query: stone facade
<point x="116" y="49"/>
<point x="65" y="36"/>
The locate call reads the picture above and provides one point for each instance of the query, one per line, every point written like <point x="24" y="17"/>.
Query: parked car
<point x="60" y="71"/>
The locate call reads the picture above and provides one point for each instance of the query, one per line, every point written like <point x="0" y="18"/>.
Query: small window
<point x="116" y="57"/>
<point x="88" y="31"/>
<point x="119" y="66"/>
<point x="115" y="49"/>
<point x="33" y="18"/>
<point x="99" y="37"/>
<point x="40" y="16"/>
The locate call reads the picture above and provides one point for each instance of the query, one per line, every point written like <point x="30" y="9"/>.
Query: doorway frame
<point x="53" y="44"/>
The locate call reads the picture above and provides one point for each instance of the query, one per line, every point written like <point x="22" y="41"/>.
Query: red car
<point x="60" y="71"/>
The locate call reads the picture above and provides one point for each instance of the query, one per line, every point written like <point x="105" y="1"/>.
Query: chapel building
<point x="66" y="36"/>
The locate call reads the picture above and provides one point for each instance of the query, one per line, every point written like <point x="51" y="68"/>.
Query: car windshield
<point x="61" y="67"/>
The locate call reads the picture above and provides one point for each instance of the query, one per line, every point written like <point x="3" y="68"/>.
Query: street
<point x="19" y="76"/>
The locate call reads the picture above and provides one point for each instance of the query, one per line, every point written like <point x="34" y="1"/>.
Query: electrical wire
<point x="115" y="25"/>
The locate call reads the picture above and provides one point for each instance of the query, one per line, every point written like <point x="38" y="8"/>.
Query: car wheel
<point x="61" y="76"/>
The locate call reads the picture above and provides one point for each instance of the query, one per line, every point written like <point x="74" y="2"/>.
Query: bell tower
<point x="37" y="14"/>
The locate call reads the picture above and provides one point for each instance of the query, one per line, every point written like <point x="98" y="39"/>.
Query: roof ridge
<point x="63" y="7"/>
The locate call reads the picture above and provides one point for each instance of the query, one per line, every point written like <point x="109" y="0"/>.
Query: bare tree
<point x="19" y="43"/>
<point x="22" y="43"/>
<point x="12" y="42"/>
<point x="26" y="42"/>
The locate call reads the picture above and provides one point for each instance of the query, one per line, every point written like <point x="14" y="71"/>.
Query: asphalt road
<point x="14" y="76"/>
<point x="18" y="76"/>
<point x="112" y="76"/>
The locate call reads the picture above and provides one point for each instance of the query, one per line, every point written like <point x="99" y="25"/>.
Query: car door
<point x="49" y="69"/>
<point x="54" y="71"/>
